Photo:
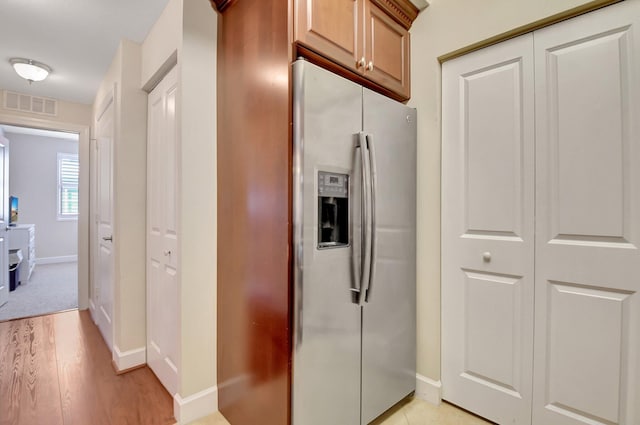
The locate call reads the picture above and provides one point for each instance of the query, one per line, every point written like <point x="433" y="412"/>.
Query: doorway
<point x="43" y="225"/>
<point x="80" y="274"/>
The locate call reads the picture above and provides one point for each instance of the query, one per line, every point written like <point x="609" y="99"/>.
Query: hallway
<point x="56" y="370"/>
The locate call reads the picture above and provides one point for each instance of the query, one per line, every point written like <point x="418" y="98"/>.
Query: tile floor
<point x="413" y="412"/>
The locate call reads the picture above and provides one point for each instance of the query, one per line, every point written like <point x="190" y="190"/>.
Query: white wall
<point x="68" y="112"/>
<point x="163" y="40"/>
<point x="198" y="186"/>
<point x="33" y="178"/>
<point x="446" y="26"/>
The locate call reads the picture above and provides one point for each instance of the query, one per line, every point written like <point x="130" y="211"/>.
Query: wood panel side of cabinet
<point x="332" y="28"/>
<point x="254" y="204"/>
<point x="387" y="51"/>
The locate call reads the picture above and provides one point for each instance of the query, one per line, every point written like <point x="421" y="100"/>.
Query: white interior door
<point x="487" y="231"/>
<point x="4" y="220"/>
<point x="162" y="234"/>
<point x="587" y="349"/>
<point x="93" y="223"/>
<point x="104" y="282"/>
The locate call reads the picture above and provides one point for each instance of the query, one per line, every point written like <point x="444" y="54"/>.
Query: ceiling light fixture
<point x="29" y="69"/>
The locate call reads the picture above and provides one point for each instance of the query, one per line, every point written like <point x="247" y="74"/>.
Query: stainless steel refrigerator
<point x="354" y="216"/>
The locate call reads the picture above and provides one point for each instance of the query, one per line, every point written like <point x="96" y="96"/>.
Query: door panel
<point x="389" y="315"/>
<point x="326" y="358"/>
<point x="162" y="236"/>
<point x="487" y="231"/>
<point x="104" y="282"/>
<point x="330" y="27"/>
<point x="588" y="219"/>
<point x="387" y="50"/>
<point x="595" y="336"/>
<point x="590" y="136"/>
<point x="493" y="179"/>
<point x="492" y="339"/>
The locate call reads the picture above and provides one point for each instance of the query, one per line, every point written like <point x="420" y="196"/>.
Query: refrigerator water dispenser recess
<point x="333" y="210"/>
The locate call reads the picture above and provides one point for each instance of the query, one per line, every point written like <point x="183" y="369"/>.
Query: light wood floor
<point x="411" y="412"/>
<point x="56" y="370"/>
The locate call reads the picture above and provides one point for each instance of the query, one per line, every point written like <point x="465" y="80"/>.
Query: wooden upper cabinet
<point x="386" y="51"/>
<point x="369" y="38"/>
<point x="331" y="28"/>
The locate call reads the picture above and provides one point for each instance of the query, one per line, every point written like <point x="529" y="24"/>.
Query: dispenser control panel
<point x="333" y="210"/>
<point x="332" y="184"/>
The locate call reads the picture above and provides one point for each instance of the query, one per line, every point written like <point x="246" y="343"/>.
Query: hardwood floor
<point x="56" y="370"/>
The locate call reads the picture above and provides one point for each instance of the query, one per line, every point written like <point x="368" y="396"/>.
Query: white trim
<point x="195" y="406"/>
<point x="92" y="311"/>
<point x="162" y="71"/>
<point x="70" y="157"/>
<point x="60" y="259"/>
<point x="428" y="390"/>
<point x="129" y="359"/>
<point x="70" y="218"/>
<point x="109" y="98"/>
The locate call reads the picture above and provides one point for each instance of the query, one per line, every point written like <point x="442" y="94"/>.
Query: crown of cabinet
<point x="364" y="40"/>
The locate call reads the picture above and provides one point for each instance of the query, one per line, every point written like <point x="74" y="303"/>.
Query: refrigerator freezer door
<point x="389" y="317"/>
<point x="327" y="112"/>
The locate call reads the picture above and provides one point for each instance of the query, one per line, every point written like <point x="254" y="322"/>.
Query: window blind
<point x="68" y="169"/>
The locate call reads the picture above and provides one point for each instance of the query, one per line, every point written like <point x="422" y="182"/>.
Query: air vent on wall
<point x="27" y="103"/>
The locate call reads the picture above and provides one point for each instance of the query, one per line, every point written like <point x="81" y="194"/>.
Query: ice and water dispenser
<point x="333" y="209"/>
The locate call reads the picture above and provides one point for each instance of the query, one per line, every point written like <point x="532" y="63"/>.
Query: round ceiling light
<point x="29" y="69"/>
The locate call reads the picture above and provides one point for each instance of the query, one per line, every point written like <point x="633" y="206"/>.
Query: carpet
<point x="52" y="287"/>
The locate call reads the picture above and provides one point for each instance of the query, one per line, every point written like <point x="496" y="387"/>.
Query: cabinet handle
<point x="167" y="253"/>
<point x="369" y="66"/>
<point x="361" y="63"/>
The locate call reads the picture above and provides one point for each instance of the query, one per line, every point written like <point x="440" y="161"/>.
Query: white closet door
<point x="103" y="290"/>
<point x="588" y="219"/>
<point x="162" y="234"/>
<point x="487" y="231"/>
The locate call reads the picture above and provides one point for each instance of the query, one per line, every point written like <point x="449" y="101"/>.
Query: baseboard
<point x="428" y="390"/>
<point x="54" y="260"/>
<point x="195" y="406"/>
<point x="92" y="311"/>
<point x="129" y="359"/>
<point x="122" y="372"/>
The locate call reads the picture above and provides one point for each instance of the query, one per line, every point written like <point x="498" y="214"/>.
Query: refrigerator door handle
<point x="372" y="209"/>
<point x="365" y="211"/>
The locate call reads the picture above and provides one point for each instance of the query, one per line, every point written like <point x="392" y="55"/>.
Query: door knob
<point x="167" y="253"/>
<point x="486" y="257"/>
<point x="108" y="238"/>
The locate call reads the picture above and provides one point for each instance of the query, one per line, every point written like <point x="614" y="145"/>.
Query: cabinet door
<point x="587" y="272"/>
<point x="331" y="28"/>
<point x="386" y="50"/>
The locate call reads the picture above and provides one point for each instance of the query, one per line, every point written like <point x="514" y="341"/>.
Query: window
<point x="67" y="186"/>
